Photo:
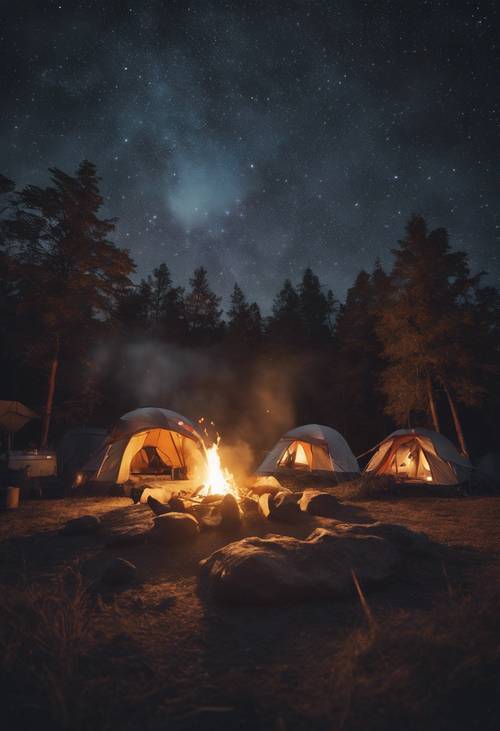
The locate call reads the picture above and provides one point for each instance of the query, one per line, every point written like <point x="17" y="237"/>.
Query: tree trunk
<point x="432" y="405"/>
<point x="456" y="421"/>
<point x="50" y="396"/>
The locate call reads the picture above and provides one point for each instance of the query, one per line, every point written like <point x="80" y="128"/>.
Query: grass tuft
<point x="418" y="670"/>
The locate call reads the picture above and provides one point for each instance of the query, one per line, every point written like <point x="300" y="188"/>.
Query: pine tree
<point x="68" y="273"/>
<point x="166" y="308"/>
<point x="316" y="309"/>
<point x="426" y="326"/>
<point x="245" y="321"/>
<point x="357" y="400"/>
<point x="203" y="313"/>
<point x="285" y="323"/>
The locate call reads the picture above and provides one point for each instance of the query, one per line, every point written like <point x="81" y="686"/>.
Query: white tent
<point x="420" y="455"/>
<point x="310" y="448"/>
<point x="149" y="442"/>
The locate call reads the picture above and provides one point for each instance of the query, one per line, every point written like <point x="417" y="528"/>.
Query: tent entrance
<point x="305" y="457"/>
<point x="411" y="460"/>
<point x="410" y="463"/>
<point x="150" y="461"/>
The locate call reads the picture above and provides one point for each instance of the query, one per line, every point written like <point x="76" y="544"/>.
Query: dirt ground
<point x="157" y="655"/>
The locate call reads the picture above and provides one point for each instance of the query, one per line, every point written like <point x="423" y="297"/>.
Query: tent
<point x="75" y="448"/>
<point x="149" y="442"/>
<point x="420" y="455"/>
<point x="311" y="449"/>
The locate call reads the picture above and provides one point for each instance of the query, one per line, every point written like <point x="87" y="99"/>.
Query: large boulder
<point x="84" y="525"/>
<point x="280" y="568"/>
<point x="119" y="571"/>
<point x="319" y="503"/>
<point x="172" y="528"/>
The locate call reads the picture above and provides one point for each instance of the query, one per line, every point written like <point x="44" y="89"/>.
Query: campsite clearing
<point x="154" y="653"/>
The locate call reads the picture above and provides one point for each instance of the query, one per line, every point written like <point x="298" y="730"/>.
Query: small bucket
<point x="9" y="498"/>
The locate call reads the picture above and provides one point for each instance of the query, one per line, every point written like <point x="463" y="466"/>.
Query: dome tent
<point x="149" y="441"/>
<point x="311" y="448"/>
<point x="420" y="455"/>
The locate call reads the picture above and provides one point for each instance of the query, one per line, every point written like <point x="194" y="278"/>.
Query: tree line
<point x="415" y="345"/>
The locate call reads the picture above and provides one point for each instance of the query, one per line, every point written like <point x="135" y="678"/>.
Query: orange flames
<point x="218" y="480"/>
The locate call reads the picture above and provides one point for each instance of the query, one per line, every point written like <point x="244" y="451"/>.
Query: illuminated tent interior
<point x="150" y="443"/>
<point x="311" y="448"/>
<point x="420" y="455"/>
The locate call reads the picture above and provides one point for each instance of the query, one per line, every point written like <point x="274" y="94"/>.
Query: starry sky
<point x="258" y="138"/>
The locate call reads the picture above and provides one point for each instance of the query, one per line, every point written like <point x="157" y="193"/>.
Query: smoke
<point x="250" y="403"/>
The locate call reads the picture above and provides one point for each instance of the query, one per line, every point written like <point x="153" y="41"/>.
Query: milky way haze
<point x="257" y="138"/>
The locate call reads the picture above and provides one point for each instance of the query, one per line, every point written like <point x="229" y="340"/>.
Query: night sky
<point x="257" y="138"/>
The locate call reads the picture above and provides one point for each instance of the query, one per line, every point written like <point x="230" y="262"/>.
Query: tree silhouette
<point x="316" y="309"/>
<point x="69" y="274"/>
<point x="203" y="313"/>
<point x="284" y="325"/>
<point x="358" y="401"/>
<point x="244" y="319"/>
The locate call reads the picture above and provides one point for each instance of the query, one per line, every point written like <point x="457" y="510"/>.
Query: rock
<point x="249" y="506"/>
<point x="226" y="515"/>
<point x="264" y="505"/>
<point x="84" y="525"/>
<point x="157" y="507"/>
<point x="119" y="571"/>
<point x="280" y="568"/>
<point x="285" y="507"/>
<point x="319" y="503"/>
<point x="177" y="505"/>
<point x="135" y="494"/>
<point x="405" y="539"/>
<point x="282" y="507"/>
<point x="261" y="485"/>
<point x="230" y="512"/>
<point x="173" y="528"/>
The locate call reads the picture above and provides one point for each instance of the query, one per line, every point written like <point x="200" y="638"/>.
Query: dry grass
<point x="45" y="633"/>
<point x="438" y="670"/>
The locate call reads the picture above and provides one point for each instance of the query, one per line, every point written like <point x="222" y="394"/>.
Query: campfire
<point x="218" y="479"/>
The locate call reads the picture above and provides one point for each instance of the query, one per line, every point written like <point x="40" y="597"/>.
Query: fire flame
<point x="218" y="481"/>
